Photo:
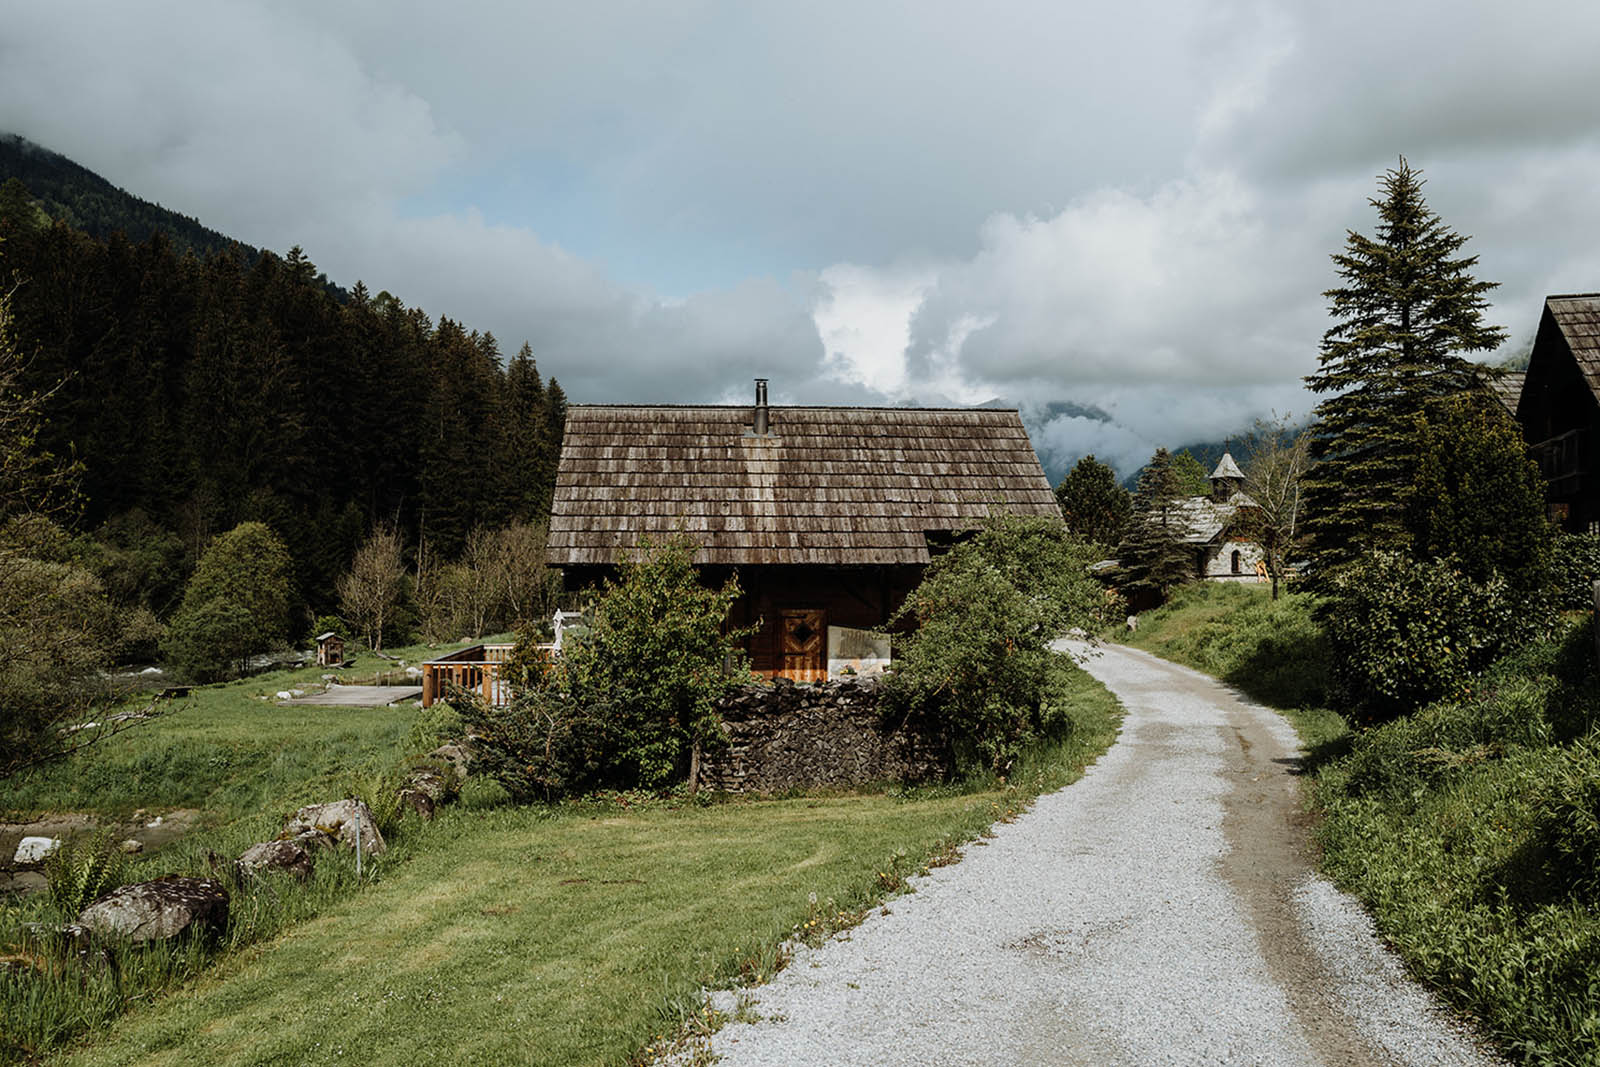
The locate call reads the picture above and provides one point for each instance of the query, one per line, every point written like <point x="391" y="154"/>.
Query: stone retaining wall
<point x="788" y="736"/>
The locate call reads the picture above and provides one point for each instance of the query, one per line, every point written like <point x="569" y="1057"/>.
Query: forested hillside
<point x="201" y="391"/>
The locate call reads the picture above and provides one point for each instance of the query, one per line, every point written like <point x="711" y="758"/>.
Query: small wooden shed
<point x="827" y="514"/>
<point x="330" y="649"/>
<point x="1558" y="406"/>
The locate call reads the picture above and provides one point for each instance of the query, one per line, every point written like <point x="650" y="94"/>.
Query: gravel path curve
<point x="1159" y="911"/>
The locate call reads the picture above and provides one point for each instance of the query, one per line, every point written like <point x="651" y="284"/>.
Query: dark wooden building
<point x="828" y="515"/>
<point x="1559" y="407"/>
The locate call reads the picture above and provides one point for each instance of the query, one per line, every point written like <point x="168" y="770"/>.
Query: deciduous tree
<point x="1279" y="460"/>
<point x="370" y="593"/>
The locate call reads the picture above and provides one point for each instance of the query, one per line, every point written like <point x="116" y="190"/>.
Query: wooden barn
<point x="1559" y="408"/>
<point x="828" y="515"/>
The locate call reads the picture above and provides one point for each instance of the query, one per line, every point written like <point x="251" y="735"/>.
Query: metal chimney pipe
<point x="759" y="417"/>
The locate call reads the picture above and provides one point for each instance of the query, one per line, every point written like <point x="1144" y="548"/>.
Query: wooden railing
<point x="477" y="669"/>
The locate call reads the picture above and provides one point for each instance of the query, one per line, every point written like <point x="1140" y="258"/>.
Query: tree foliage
<point x="978" y="664"/>
<point x="206" y="392"/>
<point x="629" y="700"/>
<point x="1405" y="632"/>
<point x="1279" y="460"/>
<point x="235" y="605"/>
<point x="1477" y="498"/>
<point x="1154" y="555"/>
<point x="1193" y="478"/>
<point x="1407" y="311"/>
<point x="1094" y="504"/>
<point x="371" y="593"/>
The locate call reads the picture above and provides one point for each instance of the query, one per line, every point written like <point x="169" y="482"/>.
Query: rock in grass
<point x="288" y="856"/>
<point x="456" y="755"/>
<point x="337" y="822"/>
<point x="155" y="911"/>
<point x="31" y="850"/>
<point x="131" y="847"/>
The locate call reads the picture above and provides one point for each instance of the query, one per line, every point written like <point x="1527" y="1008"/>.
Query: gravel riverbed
<point x="1159" y="911"/>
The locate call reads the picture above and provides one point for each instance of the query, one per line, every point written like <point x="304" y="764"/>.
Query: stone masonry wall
<point x="788" y="736"/>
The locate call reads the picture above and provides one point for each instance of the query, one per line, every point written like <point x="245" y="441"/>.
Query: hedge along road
<point x="1162" y="910"/>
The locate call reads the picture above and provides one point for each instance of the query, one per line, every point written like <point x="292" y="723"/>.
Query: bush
<point x="1574" y="568"/>
<point x="628" y="700"/>
<point x="978" y="666"/>
<point x="1404" y="633"/>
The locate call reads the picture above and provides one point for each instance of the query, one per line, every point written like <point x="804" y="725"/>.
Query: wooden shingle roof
<point x="1506" y="387"/>
<point x="1578" y="316"/>
<point x="828" y="485"/>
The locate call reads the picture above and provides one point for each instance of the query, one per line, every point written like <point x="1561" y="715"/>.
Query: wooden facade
<point x="1559" y="408"/>
<point x="827" y="517"/>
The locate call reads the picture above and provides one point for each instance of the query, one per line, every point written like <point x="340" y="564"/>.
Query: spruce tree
<point x="1094" y="506"/>
<point x="1408" y="310"/>
<point x="1154" y="554"/>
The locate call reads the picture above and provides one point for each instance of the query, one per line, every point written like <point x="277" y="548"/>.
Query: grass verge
<point x="1470" y="829"/>
<point x="576" y="934"/>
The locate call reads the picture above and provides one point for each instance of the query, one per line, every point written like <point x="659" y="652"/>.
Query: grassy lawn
<point x="1468" y="828"/>
<point x="577" y="934"/>
<point x="227" y="751"/>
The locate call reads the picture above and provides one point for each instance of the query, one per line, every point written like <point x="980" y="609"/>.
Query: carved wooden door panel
<point x="805" y="645"/>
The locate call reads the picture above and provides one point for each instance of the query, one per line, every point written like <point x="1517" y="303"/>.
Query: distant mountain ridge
<point x="81" y="198"/>
<point x="74" y="194"/>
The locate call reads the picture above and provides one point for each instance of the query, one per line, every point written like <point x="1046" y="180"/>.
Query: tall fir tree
<point x="1154" y="554"/>
<point x="1094" y="506"/>
<point x="1407" y="312"/>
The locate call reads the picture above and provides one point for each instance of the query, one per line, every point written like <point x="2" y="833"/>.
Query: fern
<point x="84" y="869"/>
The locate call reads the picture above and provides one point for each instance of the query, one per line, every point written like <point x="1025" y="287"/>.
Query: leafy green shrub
<point x="544" y="745"/>
<point x="978" y="665"/>
<point x="1574" y="568"/>
<point x="628" y="700"/>
<point x="84" y="869"/>
<point x="1404" y="633"/>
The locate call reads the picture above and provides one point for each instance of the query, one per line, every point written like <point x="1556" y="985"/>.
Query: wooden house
<point x="828" y="515"/>
<point x="1559" y="408"/>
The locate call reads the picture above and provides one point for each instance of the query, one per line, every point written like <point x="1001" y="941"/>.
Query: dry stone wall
<point x="786" y="736"/>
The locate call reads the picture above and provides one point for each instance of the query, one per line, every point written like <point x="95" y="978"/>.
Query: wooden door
<point x="804" y="637"/>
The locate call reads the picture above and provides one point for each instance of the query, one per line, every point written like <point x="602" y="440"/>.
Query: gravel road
<point x="1159" y="911"/>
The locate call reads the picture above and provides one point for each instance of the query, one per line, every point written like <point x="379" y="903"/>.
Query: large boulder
<point x="339" y="822"/>
<point x="288" y="856"/>
<point x="429" y="785"/>
<point x="455" y="754"/>
<point x="154" y="911"/>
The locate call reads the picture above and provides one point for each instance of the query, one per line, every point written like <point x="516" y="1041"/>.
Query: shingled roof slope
<point x="1506" y="387"/>
<point x="827" y="485"/>
<point x="1578" y="315"/>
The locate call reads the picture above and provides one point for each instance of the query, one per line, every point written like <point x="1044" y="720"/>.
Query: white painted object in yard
<point x="35" y="849"/>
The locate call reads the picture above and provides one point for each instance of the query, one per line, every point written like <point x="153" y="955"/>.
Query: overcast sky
<point x="1127" y="208"/>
